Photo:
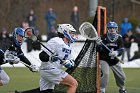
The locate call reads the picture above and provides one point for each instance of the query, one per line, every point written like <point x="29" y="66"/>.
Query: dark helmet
<point x="18" y="32"/>
<point x="112" y="29"/>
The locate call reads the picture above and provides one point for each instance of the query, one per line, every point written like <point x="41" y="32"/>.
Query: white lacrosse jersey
<point x="59" y="48"/>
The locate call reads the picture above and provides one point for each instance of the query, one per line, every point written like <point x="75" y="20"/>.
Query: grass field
<point x="23" y="79"/>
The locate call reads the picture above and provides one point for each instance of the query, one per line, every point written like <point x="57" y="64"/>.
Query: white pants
<point x="4" y="78"/>
<point x="50" y="77"/>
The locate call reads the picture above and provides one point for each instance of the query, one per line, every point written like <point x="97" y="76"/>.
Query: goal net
<point x="87" y="71"/>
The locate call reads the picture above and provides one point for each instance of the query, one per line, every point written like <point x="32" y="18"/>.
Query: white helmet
<point x="68" y="31"/>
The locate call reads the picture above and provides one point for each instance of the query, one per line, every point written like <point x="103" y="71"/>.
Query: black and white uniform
<point x="16" y="50"/>
<point x="52" y="72"/>
<point x="107" y="62"/>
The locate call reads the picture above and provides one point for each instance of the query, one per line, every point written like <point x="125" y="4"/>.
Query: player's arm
<point x="121" y="47"/>
<point x="44" y="57"/>
<point x="24" y="59"/>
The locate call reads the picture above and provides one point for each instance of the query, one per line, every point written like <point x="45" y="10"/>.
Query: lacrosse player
<point x="51" y="67"/>
<point x="107" y="59"/>
<point x="12" y="53"/>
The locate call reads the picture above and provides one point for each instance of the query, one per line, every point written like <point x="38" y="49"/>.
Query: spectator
<point x="31" y="18"/>
<point x="25" y="25"/>
<point x="128" y="39"/>
<point x="136" y="55"/>
<point x="138" y="36"/>
<point x="74" y="18"/>
<point x="4" y="38"/>
<point x="50" y="18"/>
<point x="125" y="26"/>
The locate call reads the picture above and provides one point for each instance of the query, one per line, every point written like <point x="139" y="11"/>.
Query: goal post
<point x="87" y="69"/>
<point x="101" y="29"/>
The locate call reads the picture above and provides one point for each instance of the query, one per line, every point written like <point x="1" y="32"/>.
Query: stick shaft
<point x="111" y="51"/>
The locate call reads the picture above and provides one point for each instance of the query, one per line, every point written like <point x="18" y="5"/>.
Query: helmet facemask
<point x="112" y="31"/>
<point x="112" y="34"/>
<point x="18" y="36"/>
<point x="68" y="31"/>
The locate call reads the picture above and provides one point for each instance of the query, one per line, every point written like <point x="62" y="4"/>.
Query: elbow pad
<point x="120" y="51"/>
<point x="43" y="56"/>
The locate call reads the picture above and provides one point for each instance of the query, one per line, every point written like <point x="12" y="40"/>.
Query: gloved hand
<point x="53" y="58"/>
<point x="113" y="53"/>
<point x="9" y="57"/>
<point x="34" y="68"/>
<point x="68" y="63"/>
<point x="98" y="41"/>
<point x="14" y="61"/>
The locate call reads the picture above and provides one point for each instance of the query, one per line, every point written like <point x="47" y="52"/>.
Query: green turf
<point x="132" y="81"/>
<point x="23" y="79"/>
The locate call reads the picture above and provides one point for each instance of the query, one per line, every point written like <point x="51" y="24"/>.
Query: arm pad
<point x="43" y="56"/>
<point x="120" y="51"/>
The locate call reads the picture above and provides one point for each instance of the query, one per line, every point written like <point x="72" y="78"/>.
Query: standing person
<point x="51" y="67"/>
<point x="137" y="39"/>
<point x="31" y="18"/>
<point x="107" y="59"/>
<point x="128" y="39"/>
<point x="50" y="18"/>
<point x="74" y="18"/>
<point x="125" y="26"/>
<point x="4" y="37"/>
<point x="12" y="53"/>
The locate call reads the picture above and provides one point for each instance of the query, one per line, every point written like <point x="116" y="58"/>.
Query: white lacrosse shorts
<point x="50" y="77"/>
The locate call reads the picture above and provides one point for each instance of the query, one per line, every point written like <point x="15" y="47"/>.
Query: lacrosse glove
<point x="53" y="58"/>
<point x="34" y="68"/>
<point x="113" y="53"/>
<point x="98" y="41"/>
<point x="68" y="63"/>
<point x="9" y="57"/>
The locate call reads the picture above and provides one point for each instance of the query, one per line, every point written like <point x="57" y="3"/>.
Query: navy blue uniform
<point x="11" y="46"/>
<point x="104" y="53"/>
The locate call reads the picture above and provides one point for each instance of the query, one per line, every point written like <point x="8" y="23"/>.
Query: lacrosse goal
<point x="87" y="70"/>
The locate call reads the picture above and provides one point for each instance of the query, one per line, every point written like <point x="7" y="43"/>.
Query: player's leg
<point x="71" y="83"/>
<point x="119" y="77"/>
<point x="105" y="75"/>
<point x="4" y="78"/>
<point x="46" y="86"/>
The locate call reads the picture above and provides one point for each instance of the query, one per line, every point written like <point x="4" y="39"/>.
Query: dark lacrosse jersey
<point x="16" y="50"/>
<point x="104" y="53"/>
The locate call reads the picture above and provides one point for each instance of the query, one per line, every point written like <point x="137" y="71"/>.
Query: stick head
<point x="88" y="31"/>
<point x="29" y="33"/>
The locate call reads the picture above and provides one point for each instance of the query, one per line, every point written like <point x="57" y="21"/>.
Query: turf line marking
<point x="126" y="87"/>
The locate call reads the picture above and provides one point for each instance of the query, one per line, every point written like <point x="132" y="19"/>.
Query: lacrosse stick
<point x="89" y="32"/>
<point x="29" y="33"/>
<point x="25" y="64"/>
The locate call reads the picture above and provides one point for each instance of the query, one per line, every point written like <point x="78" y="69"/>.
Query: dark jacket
<point x="104" y="53"/>
<point x="15" y="49"/>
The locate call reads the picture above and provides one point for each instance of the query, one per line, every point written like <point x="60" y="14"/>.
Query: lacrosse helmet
<point x="18" y="35"/>
<point x="68" y="31"/>
<point x="112" y="31"/>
